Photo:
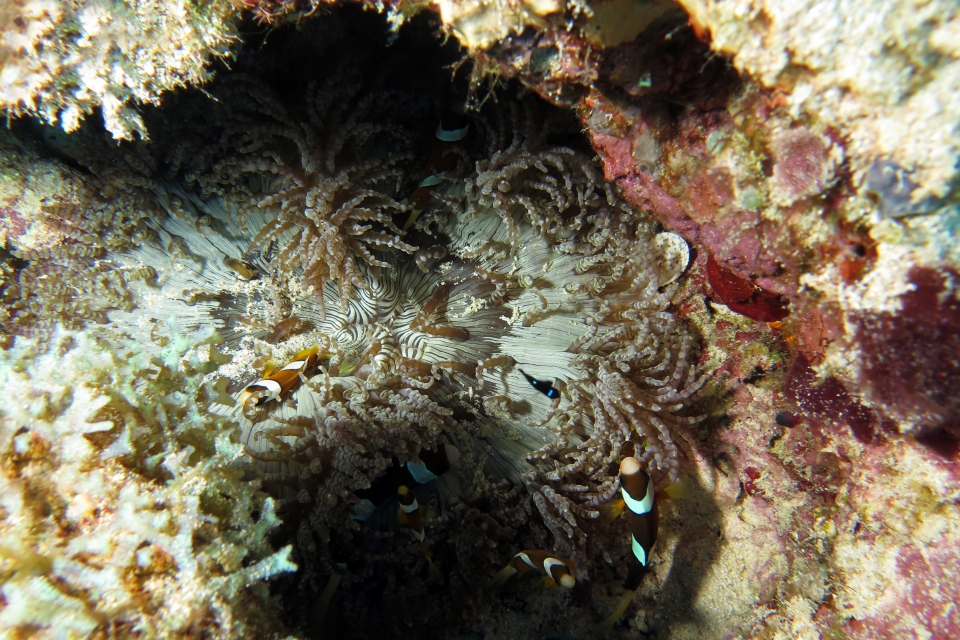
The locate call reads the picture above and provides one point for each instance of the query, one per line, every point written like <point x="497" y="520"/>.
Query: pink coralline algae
<point x="905" y="585"/>
<point x="911" y="359"/>
<point x="801" y="166"/>
<point x="828" y="400"/>
<point x="823" y="487"/>
<point x="746" y="204"/>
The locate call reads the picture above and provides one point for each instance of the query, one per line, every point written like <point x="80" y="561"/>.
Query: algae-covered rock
<point x="61" y="60"/>
<point x="120" y="506"/>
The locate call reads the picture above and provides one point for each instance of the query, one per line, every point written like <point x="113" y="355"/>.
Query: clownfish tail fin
<point x="433" y="574"/>
<point x="502" y="576"/>
<point x="414" y="214"/>
<point x="425" y="550"/>
<point x="323" y="602"/>
<point x="607" y="624"/>
<point x="610" y="511"/>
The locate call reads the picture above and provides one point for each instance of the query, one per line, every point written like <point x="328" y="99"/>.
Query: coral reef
<point x="821" y="211"/>
<point x="122" y="512"/>
<point x="788" y="230"/>
<point x="883" y="73"/>
<point x="60" y="61"/>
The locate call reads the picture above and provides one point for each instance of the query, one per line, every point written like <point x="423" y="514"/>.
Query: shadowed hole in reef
<point x="545" y="268"/>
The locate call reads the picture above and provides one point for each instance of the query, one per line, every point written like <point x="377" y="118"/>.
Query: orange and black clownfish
<point x="411" y="514"/>
<point x="556" y="571"/>
<point x="638" y="498"/>
<point x="452" y="129"/>
<point x="277" y="383"/>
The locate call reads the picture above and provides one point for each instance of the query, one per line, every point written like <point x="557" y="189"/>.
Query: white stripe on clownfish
<point x="549" y="564"/>
<point x="451" y="135"/>
<point x="293" y="366"/>
<point x="410" y="508"/>
<point x="431" y="180"/>
<point x="441" y="461"/>
<point x="420" y="473"/>
<point x="638" y="552"/>
<point x="639" y="507"/>
<point x="526" y="559"/>
<point x="272" y="387"/>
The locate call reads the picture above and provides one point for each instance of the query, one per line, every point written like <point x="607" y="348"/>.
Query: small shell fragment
<point x="673" y="255"/>
<point x="244" y="270"/>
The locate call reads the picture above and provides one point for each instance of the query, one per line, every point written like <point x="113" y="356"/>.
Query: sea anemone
<point x="331" y="179"/>
<point x="277" y="224"/>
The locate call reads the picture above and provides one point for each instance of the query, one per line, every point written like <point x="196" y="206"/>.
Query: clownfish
<point x="277" y="383"/>
<point x="639" y="500"/>
<point x="544" y="387"/>
<point x="410" y="513"/>
<point x="452" y="129"/>
<point x="556" y="572"/>
<point x="433" y="465"/>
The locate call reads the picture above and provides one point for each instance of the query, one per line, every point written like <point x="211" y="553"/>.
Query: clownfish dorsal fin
<point x="303" y="354"/>
<point x="679" y="490"/>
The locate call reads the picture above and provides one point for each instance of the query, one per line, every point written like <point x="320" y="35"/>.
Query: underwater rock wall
<point x="60" y="61"/>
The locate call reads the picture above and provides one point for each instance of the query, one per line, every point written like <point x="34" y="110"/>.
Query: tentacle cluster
<point x="326" y="177"/>
<point x="68" y="279"/>
<point x="555" y="187"/>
